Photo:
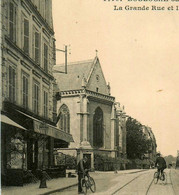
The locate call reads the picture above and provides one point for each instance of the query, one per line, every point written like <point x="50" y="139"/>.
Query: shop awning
<point x="52" y="131"/>
<point x="49" y="130"/>
<point x="6" y="120"/>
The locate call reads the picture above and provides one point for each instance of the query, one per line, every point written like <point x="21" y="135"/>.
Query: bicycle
<point x="88" y="182"/>
<point x="162" y="177"/>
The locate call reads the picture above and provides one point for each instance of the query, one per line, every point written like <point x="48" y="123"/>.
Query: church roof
<point x="76" y="71"/>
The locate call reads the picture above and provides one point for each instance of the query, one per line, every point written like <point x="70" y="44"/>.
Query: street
<point x="130" y="183"/>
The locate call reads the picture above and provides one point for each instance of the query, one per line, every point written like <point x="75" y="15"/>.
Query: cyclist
<point x="160" y="163"/>
<point x="82" y="170"/>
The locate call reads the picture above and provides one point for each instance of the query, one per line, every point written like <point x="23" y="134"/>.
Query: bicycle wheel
<point x="92" y="184"/>
<point x="164" y="178"/>
<point x="156" y="177"/>
<point x="83" y="186"/>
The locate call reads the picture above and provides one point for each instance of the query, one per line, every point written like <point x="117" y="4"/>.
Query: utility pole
<point x="65" y="51"/>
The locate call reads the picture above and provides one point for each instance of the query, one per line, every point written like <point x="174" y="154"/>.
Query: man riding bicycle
<point x="82" y="170"/>
<point x="160" y="163"/>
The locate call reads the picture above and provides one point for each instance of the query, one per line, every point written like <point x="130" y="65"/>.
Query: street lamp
<point x="43" y="175"/>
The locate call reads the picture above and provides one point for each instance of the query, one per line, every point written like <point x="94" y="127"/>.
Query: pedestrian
<point x="81" y="168"/>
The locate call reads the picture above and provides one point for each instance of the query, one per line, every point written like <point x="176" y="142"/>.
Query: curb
<point x="138" y="171"/>
<point x="60" y="189"/>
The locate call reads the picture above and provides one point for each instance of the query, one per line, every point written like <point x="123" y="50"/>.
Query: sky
<point x="139" y="55"/>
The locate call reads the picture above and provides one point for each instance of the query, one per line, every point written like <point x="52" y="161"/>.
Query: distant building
<point x="88" y="111"/>
<point x="151" y="154"/>
<point x="28" y="88"/>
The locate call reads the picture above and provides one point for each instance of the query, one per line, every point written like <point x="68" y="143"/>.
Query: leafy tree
<point x="137" y="144"/>
<point x="170" y="159"/>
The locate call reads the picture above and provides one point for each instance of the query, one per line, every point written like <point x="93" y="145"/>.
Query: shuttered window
<point x="26" y="36"/>
<point x="25" y="91"/>
<point x="36" y="98"/>
<point x="37" y="47"/>
<point x="12" y="22"/>
<point x="45" y="104"/>
<point x="12" y="81"/>
<point x="45" y="57"/>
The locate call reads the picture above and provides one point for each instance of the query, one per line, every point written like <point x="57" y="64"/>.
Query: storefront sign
<point x="49" y="130"/>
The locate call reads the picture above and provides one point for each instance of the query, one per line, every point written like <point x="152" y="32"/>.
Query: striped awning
<point x="8" y="121"/>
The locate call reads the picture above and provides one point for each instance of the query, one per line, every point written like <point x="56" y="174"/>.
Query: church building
<point x="88" y="112"/>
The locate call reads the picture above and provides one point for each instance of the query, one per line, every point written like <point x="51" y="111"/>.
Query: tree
<point x="170" y="159"/>
<point x="137" y="144"/>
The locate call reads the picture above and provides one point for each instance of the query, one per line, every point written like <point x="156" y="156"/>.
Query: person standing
<point x="81" y="168"/>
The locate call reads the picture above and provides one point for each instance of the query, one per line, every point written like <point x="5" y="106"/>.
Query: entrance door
<point x="32" y="153"/>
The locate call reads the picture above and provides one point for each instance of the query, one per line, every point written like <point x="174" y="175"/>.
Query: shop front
<point x="27" y="147"/>
<point x="13" y="151"/>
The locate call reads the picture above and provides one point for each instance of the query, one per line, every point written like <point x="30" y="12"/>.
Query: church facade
<point x="88" y="112"/>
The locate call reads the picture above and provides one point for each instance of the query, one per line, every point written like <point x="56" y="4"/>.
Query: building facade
<point x="151" y="154"/>
<point x="28" y="88"/>
<point x="88" y="111"/>
<point x="121" y="129"/>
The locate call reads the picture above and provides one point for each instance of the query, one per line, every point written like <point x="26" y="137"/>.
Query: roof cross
<point x="96" y="52"/>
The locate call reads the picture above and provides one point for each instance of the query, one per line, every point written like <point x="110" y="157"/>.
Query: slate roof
<point x="76" y="72"/>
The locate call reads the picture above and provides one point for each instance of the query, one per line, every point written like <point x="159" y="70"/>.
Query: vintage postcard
<point x="89" y="97"/>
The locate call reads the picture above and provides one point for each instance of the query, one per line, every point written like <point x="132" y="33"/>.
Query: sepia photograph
<point x="89" y="97"/>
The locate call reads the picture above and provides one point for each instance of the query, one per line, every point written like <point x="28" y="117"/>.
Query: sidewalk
<point x="130" y="171"/>
<point x="54" y="185"/>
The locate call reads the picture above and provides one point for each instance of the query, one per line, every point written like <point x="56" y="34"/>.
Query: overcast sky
<point x="139" y="55"/>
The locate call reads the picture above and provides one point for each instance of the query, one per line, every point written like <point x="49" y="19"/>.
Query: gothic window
<point x="64" y="119"/>
<point x="98" y="128"/>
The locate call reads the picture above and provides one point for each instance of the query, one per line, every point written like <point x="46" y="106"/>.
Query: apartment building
<point x="28" y="88"/>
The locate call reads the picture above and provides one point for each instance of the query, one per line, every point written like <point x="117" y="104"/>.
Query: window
<point x="54" y="50"/>
<point x="36" y="46"/>
<point x="97" y="77"/>
<point x="64" y="119"/>
<point x="46" y="10"/>
<point x="12" y="22"/>
<point x="17" y="152"/>
<point x="36" y="98"/>
<point x="45" y="57"/>
<point x="25" y="91"/>
<point x="26" y="36"/>
<point x="45" y="104"/>
<point x="98" y="134"/>
<point x="12" y="81"/>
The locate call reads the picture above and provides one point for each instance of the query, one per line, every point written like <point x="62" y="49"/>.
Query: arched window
<point x="98" y="128"/>
<point x="63" y="118"/>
